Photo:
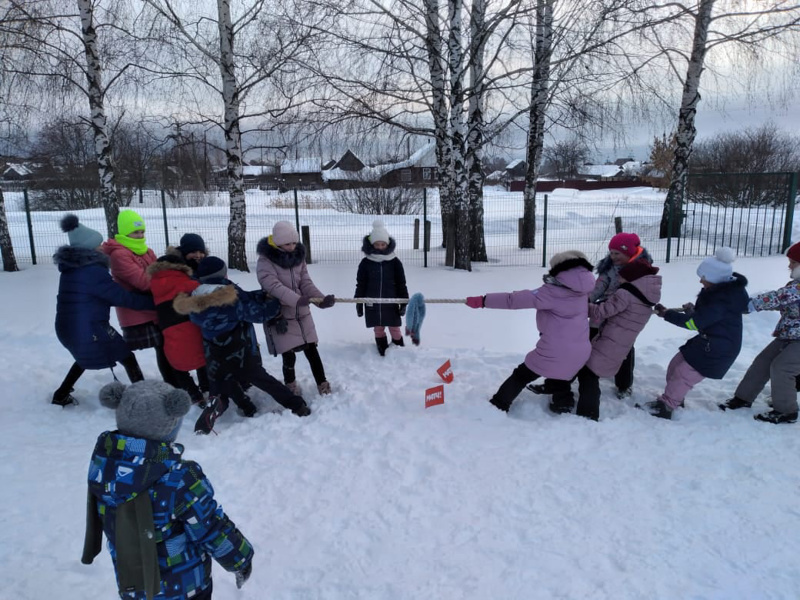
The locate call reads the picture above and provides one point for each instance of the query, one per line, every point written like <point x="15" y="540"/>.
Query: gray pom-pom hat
<point x="147" y="409"/>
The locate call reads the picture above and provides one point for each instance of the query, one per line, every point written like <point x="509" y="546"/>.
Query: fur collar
<point x="208" y="297"/>
<point x="376" y="255"/>
<point x="73" y="257"/>
<point x="285" y="260"/>
<point x="163" y="266"/>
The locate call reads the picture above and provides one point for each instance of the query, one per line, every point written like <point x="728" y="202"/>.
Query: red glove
<point x="475" y="301"/>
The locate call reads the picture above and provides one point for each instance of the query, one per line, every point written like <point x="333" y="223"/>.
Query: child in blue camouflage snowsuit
<point x="225" y="314"/>
<point x="779" y="362"/>
<point x="156" y="509"/>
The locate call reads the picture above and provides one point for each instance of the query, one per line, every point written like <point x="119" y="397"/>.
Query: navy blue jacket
<point x="717" y="318"/>
<point x="86" y="294"/>
<point x="381" y="279"/>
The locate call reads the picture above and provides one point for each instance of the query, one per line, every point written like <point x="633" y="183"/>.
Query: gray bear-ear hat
<point x="147" y="409"/>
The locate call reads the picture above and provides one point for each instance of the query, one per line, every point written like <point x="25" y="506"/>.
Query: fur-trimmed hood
<point x="285" y="260"/>
<point x="204" y="297"/>
<point x="75" y="257"/>
<point x="367" y="247"/>
<point x="163" y="265"/>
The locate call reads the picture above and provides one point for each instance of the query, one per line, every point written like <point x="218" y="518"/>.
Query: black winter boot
<point x="382" y="344"/>
<point x="776" y="417"/>
<point x="398" y="342"/>
<point x="63" y="398"/>
<point x="205" y="423"/>
<point x="733" y="404"/>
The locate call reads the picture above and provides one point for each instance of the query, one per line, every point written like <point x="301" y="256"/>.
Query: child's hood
<point x="207" y="295"/>
<point x="650" y="286"/>
<point x="578" y="279"/>
<point x="286" y="260"/>
<point x="123" y="466"/>
<point x="74" y="257"/>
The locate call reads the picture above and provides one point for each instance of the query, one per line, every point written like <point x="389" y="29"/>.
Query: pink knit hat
<point x="284" y="233"/>
<point x="627" y="243"/>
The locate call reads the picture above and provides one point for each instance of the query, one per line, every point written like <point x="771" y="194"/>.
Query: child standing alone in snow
<point x="717" y="319"/>
<point x="381" y="275"/>
<point x="779" y="361"/>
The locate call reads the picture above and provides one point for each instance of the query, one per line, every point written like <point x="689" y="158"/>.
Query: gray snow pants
<point x="777" y="363"/>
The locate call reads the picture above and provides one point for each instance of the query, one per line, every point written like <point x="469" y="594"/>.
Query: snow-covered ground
<point x="375" y="497"/>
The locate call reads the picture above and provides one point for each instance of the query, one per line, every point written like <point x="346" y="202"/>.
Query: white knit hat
<point x="718" y="268"/>
<point x="378" y="233"/>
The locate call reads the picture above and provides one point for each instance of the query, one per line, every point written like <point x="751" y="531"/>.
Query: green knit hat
<point x="129" y="221"/>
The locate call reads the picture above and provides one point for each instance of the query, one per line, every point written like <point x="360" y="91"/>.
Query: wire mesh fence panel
<point x="334" y="222"/>
<point x="746" y="211"/>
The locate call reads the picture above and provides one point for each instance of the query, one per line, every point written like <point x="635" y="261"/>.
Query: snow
<point x="375" y="497"/>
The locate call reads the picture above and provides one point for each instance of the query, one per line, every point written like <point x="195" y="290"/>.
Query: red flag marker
<point x="434" y="396"/>
<point x="446" y="372"/>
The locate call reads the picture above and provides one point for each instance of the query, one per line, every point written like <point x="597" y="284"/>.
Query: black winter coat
<point x="381" y="277"/>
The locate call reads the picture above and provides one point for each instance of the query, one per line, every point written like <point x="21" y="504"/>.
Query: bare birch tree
<point x="59" y="42"/>
<point x="6" y="247"/>
<point x="252" y="51"/>
<point x="718" y="24"/>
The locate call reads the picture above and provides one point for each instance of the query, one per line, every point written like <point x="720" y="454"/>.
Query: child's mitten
<point x="475" y="301"/>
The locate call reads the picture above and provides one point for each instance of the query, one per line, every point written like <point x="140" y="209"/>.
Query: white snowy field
<point x="375" y="497"/>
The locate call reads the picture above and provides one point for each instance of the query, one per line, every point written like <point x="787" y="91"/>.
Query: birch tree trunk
<point x="686" y="132"/>
<point x="96" y="95"/>
<point x="433" y="46"/>
<point x="237" y="227"/>
<point x="475" y="133"/>
<point x="6" y="248"/>
<point x="461" y="235"/>
<point x="536" y="117"/>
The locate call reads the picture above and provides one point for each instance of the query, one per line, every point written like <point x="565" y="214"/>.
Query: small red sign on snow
<point x="446" y="372"/>
<point x="434" y="396"/>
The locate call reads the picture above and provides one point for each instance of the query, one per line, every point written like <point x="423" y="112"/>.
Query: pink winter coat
<point x="562" y="319"/>
<point x="284" y="275"/>
<point x="130" y="271"/>
<point x="623" y="316"/>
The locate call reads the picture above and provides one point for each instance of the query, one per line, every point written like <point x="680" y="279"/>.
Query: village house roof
<point x="301" y="165"/>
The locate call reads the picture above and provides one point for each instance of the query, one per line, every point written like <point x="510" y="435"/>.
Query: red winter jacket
<point x="183" y="342"/>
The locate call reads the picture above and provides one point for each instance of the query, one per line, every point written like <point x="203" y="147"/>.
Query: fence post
<point x="164" y="216"/>
<point x="617" y="224"/>
<point x="416" y="234"/>
<point x="30" y="224"/>
<point x="297" y="213"/>
<point x="669" y="225"/>
<point x="544" y="234"/>
<point x="520" y="225"/>
<point x="306" y="233"/>
<point x="787" y="229"/>
<point x="426" y="236"/>
<point x="450" y="251"/>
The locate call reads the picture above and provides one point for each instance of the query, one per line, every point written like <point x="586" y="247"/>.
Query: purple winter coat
<point x="284" y="275"/>
<point x="623" y="316"/>
<point x="562" y="319"/>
